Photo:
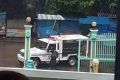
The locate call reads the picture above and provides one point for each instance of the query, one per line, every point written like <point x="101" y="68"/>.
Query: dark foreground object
<point x="10" y="75"/>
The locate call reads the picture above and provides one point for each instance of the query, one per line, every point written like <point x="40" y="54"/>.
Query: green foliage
<point x="57" y="6"/>
<point x="113" y="5"/>
<point x="87" y="7"/>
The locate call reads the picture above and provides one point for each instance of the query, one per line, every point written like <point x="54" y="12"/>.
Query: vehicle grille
<point x="22" y="54"/>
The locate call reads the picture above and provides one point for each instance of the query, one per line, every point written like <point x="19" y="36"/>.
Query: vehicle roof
<point x="63" y="37"/>
<point x="71" y="37"/>
<point x="46" y="40"/>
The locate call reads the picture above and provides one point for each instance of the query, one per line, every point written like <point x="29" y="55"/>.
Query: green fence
<point x="102" y="48"/>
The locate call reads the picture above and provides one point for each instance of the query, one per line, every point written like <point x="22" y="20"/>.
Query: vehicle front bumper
<point x="20" y="58"/>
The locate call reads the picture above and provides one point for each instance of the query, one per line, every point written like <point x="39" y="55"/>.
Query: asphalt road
<point x="8" y="55"/>
<point x="10" y="47"/>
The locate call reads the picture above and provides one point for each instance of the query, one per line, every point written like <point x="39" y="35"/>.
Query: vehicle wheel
<point x="36" y="62"/>
<point x="20" y="63"/>
<point x="72" y="61"/>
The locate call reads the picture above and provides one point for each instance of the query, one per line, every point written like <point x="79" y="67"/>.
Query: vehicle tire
<point x="36" y="62"/>
<point x="72" y="61"/>
<point x="21" y="64"/>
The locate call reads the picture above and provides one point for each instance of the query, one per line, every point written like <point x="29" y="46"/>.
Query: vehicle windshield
<point x="41" y="45"/>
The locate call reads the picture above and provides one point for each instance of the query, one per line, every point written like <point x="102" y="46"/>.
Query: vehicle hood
<point x="35" y="50"/>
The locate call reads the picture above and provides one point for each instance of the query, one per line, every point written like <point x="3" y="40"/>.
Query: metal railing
<point x="102" y="48"/>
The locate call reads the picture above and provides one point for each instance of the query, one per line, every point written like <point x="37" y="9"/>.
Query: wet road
<point x="10" y="47"/>
<point x="8" y="55"/>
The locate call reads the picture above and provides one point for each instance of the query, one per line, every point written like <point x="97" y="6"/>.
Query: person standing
<point x="54" y="56"/>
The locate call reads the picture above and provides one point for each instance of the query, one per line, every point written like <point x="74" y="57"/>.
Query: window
<point x="77" y="13"/>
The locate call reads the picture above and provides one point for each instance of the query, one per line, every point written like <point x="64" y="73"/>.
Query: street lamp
<point x="93" y="37"/>
<point x="93" y="31"/>
<point x="28" y="20"/>
<point x="28" y="62"/>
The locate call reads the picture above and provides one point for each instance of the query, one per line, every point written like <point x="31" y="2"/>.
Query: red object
<point x="53" y="38"/>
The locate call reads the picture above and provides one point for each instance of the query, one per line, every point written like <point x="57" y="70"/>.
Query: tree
<point x="2" y="5"/>
<point x="67" y="6"/>
<point x="108" y="6"/>
<point x="87" y="7"/>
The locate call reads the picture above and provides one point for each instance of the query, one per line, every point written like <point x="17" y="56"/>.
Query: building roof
<point x="47" y="40"/>
<point x="49" y="17"/>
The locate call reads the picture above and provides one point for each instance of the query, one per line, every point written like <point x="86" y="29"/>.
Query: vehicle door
<point x="69" y="47"/>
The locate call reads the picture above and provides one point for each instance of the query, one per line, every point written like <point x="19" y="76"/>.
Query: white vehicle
<point x="65" y="45"/>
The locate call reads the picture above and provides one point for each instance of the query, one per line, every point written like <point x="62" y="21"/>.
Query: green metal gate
<point x="102" y="48"/>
